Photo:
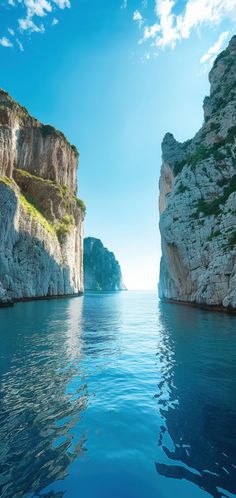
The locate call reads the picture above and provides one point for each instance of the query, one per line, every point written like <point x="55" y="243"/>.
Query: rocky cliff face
<point x="41" y="219"/>
<point x="101" y="270"/>
<point x="198" y="200"/>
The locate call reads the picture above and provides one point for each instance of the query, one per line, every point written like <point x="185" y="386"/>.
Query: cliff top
<point x="219" y="114"/>
<point x="7" y="102"/>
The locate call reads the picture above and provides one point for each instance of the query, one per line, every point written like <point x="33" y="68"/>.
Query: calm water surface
<point x="117" y="396"/>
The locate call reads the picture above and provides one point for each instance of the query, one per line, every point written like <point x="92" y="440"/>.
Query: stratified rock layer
<point x="41" y="220"/>
<point x="101" y="270"/>
<point x="198" y="200"/>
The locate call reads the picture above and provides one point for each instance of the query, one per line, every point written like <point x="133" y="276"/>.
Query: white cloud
<point x="213" y="51"/>
<point x="171" y="28"/>
<point x="28" y="24"/>
<point x="137" y="17"/>
<point x="37" y="8"/>
<point x="62" y="4"/>
<point x="31" y="10"/>
<point x="151" y="31"/>
<point x="5" y="42"/>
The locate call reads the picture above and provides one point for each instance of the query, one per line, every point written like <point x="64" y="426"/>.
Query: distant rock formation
<point x="41" y="219"/>
<point x="198" y="200"/>
<point x="101" y="270"/>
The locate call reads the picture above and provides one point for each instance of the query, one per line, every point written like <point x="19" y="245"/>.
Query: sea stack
<point x="41" y="218"/>
<point x="197" y="200"/>
<point x="101" y="270"/>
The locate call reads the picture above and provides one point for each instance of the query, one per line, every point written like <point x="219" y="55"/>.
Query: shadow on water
<point x="197" y="398"/>
<point x="38" y="410"/>
<point x="46" y="349"/>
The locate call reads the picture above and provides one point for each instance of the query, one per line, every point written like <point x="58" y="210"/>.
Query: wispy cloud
<point x="171" y="27"/>
<point x="5" y="42"/>
<point x="20" y="45"/>
<point x="37" y="8"/>
<point x="32" y="11"/>
<point x="212" y="52"/>
<point x="124" y="4"/>
<point x="137" y="17"/>
<point x="29" y="25"/>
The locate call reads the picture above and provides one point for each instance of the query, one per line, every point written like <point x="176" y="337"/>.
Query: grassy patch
<point x="64" y="227"/>
<point x="31" y="206"/>
<point x="27" y="174"/>
<point x="63" y="189"/>
<point x="6" y="181"/>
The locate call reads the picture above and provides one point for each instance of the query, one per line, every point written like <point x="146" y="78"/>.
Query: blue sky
<point x="115" y="76"/>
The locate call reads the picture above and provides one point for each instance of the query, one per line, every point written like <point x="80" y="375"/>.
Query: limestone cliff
<point x="41" y="219"/>
<point x="101" y="270"/>
<point x="198" y="200"/>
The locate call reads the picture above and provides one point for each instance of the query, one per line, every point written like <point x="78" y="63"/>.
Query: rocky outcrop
<point x="101" y="270"/>
<point x="41" y="219"/>
<point x="198" y="200"/>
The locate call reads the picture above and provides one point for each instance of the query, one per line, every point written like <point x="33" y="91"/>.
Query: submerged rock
<point x="101" y="270"/>
<point x="41" y="219"/>
<point x="197" y="200"/>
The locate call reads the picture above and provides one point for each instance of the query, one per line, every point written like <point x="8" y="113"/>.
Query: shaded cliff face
<point x="41" y="220"/>
<point x="101" y="270"/>
<point x="198" y="200"/>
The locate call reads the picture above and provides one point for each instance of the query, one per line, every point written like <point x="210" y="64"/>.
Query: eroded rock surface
<point x="198" y="200"/>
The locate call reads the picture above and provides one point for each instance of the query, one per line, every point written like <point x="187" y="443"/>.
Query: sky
<point x="115" y="76"/>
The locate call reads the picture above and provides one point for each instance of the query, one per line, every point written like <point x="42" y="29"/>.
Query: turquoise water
<point x="117" y="396"/>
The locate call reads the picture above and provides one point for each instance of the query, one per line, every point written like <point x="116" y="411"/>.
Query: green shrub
<point x="218" y="155"/>
<point x="232" y="239"/>
<point x="223" y="181"/>
<point x="202" y="152"/>
<point x="213" y="235"/>
<point x="178" y="166"/>
<point x="47" y="130"/>
<point x="213" y="207"/>
<point x="74" y="148"/>
<point x="214" y="127"/>
<point x="81" y="204"/>
<point x="182" y="188"/>
<point x="209" y="208"/>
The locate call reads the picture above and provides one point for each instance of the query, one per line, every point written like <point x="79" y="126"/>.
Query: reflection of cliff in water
<point x="197" y="398"/>
<point x="42" y="397"/>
